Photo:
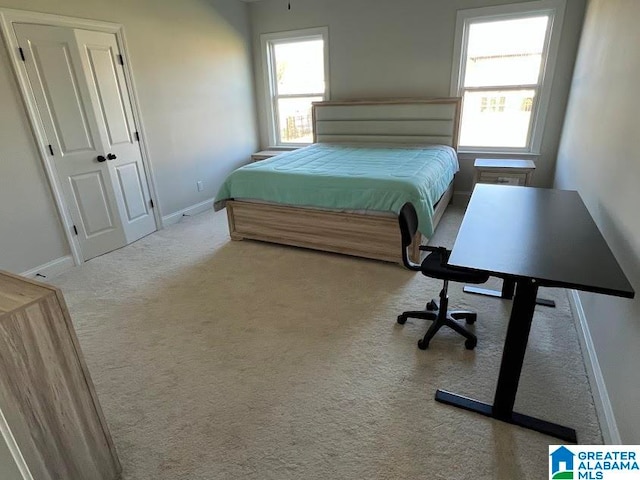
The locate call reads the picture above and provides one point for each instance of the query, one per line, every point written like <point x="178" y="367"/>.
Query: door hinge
<point x="120" y="59"/>
<point x="22" y="54"/>
<point x="75" y="230"/>
<point x="151" y="202"/>
<point x="137" y="135"/>
<point x="51" y="150"/>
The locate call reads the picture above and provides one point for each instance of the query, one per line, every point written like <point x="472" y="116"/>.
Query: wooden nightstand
<point x="264" y="154"/>
<point x="503" y="172"/>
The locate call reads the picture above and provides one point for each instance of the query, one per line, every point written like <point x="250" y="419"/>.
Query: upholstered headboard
<point x="433" y="120"/>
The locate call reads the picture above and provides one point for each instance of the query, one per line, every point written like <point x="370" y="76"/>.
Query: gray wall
<point x="404" y="48"/>
<point x="30" y="231"/>
<point x="599" y="158"/>
<point x="192" y="65"/>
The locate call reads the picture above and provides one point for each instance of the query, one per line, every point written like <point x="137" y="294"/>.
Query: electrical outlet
<point x="200" y="185"/>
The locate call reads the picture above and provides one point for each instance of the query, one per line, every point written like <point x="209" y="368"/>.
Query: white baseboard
<point x="192" y="210"/>
<point x="608" y="425"/>
<point x="50" y="269"/>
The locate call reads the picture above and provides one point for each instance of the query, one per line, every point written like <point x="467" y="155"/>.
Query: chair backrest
<point x="408" y="221"/>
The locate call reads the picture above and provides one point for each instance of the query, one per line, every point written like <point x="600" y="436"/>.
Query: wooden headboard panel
<point x="431" y="120"/>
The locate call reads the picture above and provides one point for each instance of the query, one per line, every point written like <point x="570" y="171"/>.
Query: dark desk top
<point x="543" y="234"/>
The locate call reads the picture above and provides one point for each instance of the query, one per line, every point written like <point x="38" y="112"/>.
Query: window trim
<point x="267" y="40"/>
<point x="555" y="9"/>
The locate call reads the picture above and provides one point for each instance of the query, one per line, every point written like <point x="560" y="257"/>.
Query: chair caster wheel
<point x="470" y="343"/>
<point x="432" y="306"/>
<point x="402" y="319"/>
<point x="422" y="345"/>
<point x="471" y="319"/>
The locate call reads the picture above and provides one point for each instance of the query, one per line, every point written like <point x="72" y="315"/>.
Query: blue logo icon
<point x="562" y="464"/>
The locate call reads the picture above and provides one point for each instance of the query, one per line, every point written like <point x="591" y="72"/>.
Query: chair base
<point x="440" y="318"/>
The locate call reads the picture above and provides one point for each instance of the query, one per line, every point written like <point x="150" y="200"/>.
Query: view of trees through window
<point x="299" y="72"/>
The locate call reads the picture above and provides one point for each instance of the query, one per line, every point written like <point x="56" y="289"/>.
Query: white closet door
<point x="78" y="100"/>
<point x="110" y="98"/>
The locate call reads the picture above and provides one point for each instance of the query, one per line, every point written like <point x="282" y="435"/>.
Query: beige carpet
<point x="231" y="360"/>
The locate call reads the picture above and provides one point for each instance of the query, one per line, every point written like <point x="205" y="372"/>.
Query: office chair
<point x="435" y="266"/>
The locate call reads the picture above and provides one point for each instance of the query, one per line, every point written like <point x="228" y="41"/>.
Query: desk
<point x="533" y="237"/>
<point x="510" y="172"/>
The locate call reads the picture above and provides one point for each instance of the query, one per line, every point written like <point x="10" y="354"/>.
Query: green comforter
<point x="349" y="177"/>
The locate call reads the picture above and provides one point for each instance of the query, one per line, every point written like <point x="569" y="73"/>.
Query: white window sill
<point x="287" y="147"/>
<point x="500" y="153"/>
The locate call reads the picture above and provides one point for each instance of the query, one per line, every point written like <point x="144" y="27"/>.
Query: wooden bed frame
<point x="359" y="234"/>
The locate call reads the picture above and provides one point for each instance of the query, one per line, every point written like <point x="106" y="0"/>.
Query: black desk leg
<point x="508" y="287"/>
<point x="515" y="346"/>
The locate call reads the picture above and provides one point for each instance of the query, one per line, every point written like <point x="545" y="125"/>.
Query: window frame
<point x="268" y="40"/>
<point x="555" y="10"/>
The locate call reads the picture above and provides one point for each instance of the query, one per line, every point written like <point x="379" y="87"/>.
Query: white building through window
<point x="503" y="67"/>
<point x="296" y="70"/>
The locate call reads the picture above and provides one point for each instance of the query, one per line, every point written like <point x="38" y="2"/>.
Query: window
<point x="504" y="60"/>
<point x="492" y="104"/>
<point x="296" y="70"/>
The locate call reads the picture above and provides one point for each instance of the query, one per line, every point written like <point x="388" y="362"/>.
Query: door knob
<point x="111" y="156"/>
<point x="101" y="158"/>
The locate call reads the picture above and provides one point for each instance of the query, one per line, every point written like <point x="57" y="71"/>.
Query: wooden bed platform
<point x="359" y="234"/>
<point x="368" y="236"/>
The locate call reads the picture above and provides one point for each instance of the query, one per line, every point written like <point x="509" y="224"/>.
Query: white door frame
<point x="10" y="16"/>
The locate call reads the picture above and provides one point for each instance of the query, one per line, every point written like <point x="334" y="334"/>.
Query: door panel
<point x="57" y="80"/>
<point x="103" y="70"/>
<point x="129" y="179"/>
<point x="89" y="191"/>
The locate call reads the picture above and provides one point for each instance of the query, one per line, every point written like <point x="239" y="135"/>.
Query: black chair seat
<point x="434" y="266"/>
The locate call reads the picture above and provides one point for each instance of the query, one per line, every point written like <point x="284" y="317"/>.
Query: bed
<point x="342" y="194"/>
